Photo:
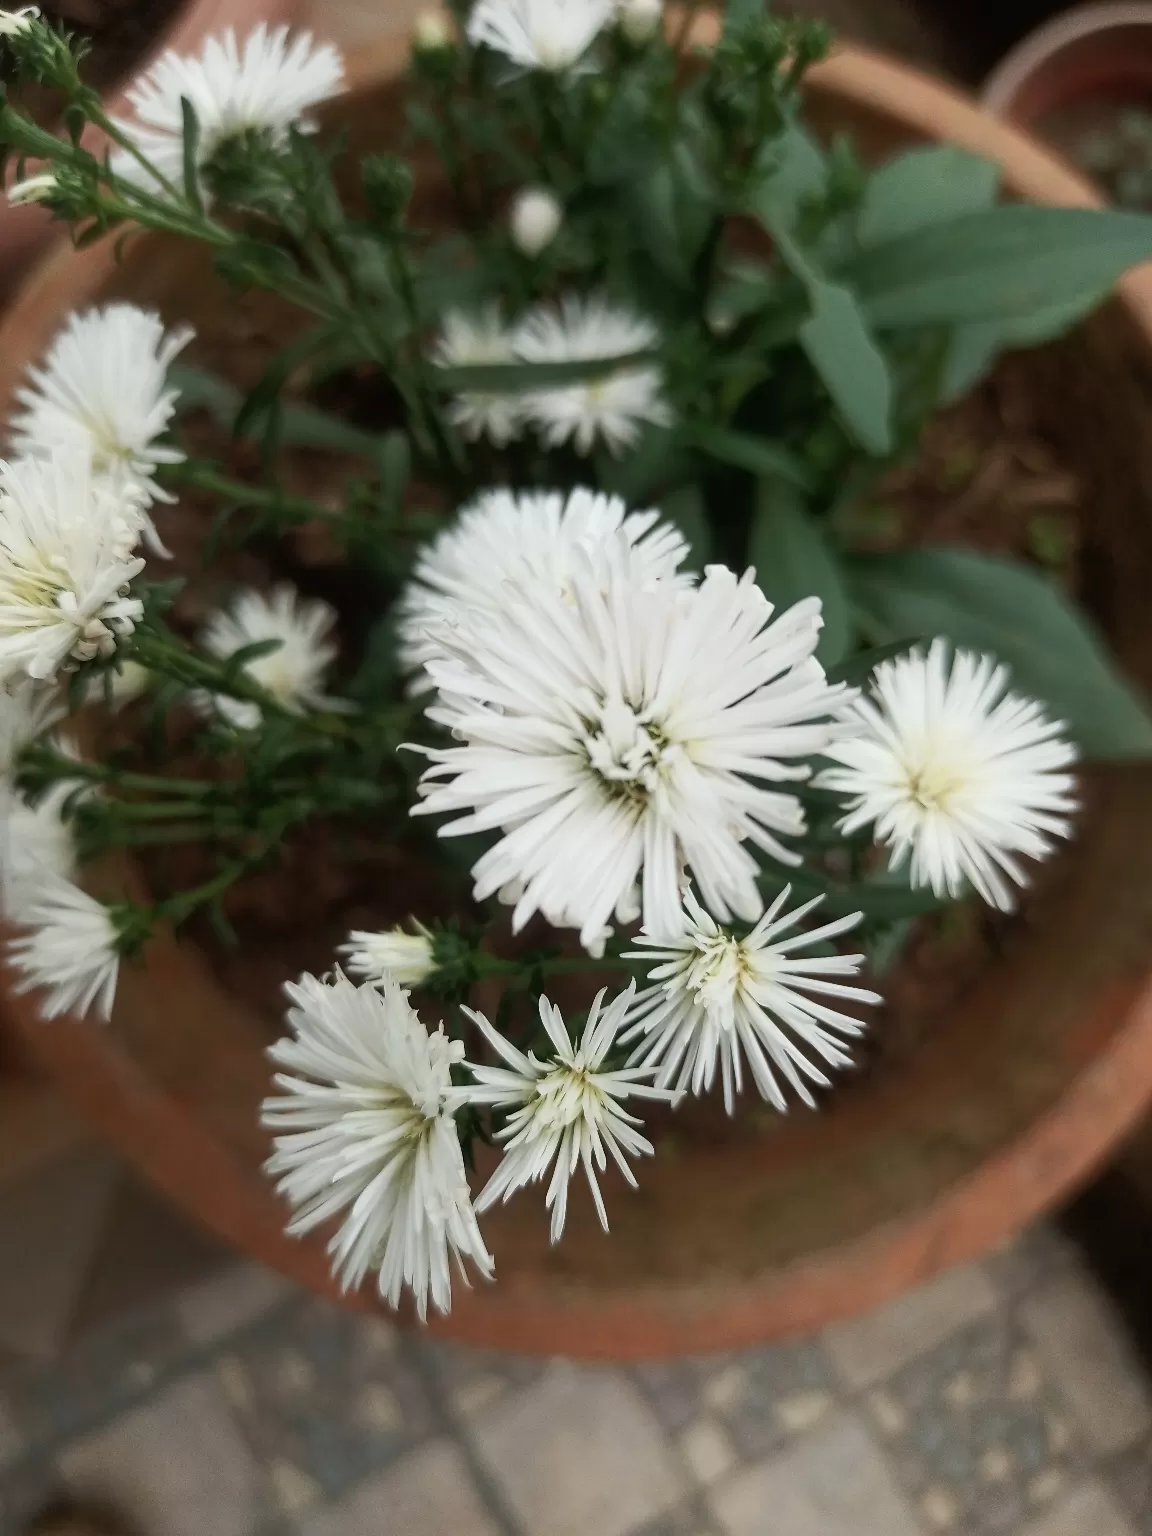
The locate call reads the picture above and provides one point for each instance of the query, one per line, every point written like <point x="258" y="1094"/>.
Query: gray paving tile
<point x="978" y="1437"/>
<point x="176" y="1465"/>
<point x="429" y="1492"/>
<point x="1130" y="1477"/>
<point x="1082" y="1342"/>
<point x="324" y="1398"/>
<point x="1086" y="1510"/>
<point x="867" y="1348"/>
<point x="471" y="1380"/>
<point x="230" y="1300"/>
<point x="579" y="1451"/>
<point x="832" y="1482"/>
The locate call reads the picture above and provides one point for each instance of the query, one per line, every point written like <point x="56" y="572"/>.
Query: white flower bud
<point x="430" y="32"/>
<point x="535" y="219"/>
<point x="640" y="18"/>
<point x="33" y="189"/>
<point x="12" y="22"/>
<point x="407" y="956"/>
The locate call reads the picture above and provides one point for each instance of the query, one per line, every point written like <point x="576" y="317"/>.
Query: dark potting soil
<point x="986" y="477"/>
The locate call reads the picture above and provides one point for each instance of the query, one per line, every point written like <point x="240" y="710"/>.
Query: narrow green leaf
<point x="794" y="169"/>
<point x="851" y="365"/>
<point x="994" y="605"/>
<point x="755" y="454"/>
<point x="303" y="425"/>
<point x="1004" y="263"/>
<point x="793" y="560"/>
<point x="974" y="348"/>
<point x="925" y="186"/>
<point x="497" y="378"/>
<point x="191" y="154"/>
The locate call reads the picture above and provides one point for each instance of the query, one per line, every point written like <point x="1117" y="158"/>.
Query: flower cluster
<point x="636" y="751"/>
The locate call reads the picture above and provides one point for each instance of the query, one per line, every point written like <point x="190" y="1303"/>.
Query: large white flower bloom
<point x="477" y="339"/>
<point x="293" y="673"/>
<point x="506" y="538"/>
<point x="961" y="777"/>
<point x="268" y="83"/>
<point x="35" y="845"/>
<point x="103" y="387"/>
<point x="71" y="953"/>
<point x="364" y="1128"/>
<point x="564" y="1111"/>
<point x="717" y="999"/>
<point x="65" y="537"/>
<point x="550" y="35"/>
<point x="406" y="957"/>
<point x="625" y="733"/>
<point x="613" y="406"/>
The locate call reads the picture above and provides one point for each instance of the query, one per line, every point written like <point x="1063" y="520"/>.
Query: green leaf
<point x="755" y="454"/>
<point x="685" y="508"/>
<point x="857" y="669"/>
<point x="300" y="424"/>
<point x="500" y="377"/>
<point x="974" y="348"/>
<point x="882" y="902"/>
<point x="793" y="560"/>
<point x="851" y="365"/>
<point x="794" y="170"/>
<point x="994" y="605"/>
<point x="925" y="186"/>
<point x="1005" y="263"/>
<point x="191" y="146"/>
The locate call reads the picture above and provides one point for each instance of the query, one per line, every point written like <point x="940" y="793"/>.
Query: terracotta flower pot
<point x="25" y="232"/>
<point x="1092" y="53"/>
<point x="742" y="1232"/>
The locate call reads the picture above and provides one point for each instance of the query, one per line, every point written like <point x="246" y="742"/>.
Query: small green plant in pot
<point x="615" y="642"/>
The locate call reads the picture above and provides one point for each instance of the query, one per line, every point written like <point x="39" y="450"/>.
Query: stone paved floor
<point x="204" y="1397"/>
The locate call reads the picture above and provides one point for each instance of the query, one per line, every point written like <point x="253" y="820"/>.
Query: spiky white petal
<point x="961" y="778"/>
<point x="103" y="386"/>
<point x="267" y="83"/>
<point x="33" y="189"/>
<point x="508" y="538"/>
<point x="27" y="711"/>
<point x="35" y="844"/>
<point x="70" y="953"/>
<point x="625" y="733"/>
<point x="406" y="956"/>
<point x="294" y="672"/>
<point x="65" y="566"/>
<point x="613" y="407"/>
<point x="19" y="20"/>
<point x="476" y="339"/>
<point x="549" y="35"/>
<point x="364" y="1131"/>
<point x="565" y="1110"/>
<point x="718" y="1000"/>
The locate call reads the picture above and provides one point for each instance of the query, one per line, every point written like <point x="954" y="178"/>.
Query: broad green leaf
<point x="755" y="454"/>
<point x="994" y="605"/>
<point x="793" y="560"/>
<point x="925" y="186"/>
<point x="853" y="368"/>
<point x="685" y="508"/>
<point x="974" y="348"/>
<point x="1006" y="263"/>
<point x="858" y="668"/>
<point x="794" y="168"/>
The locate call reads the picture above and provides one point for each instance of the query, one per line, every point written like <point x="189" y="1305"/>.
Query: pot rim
<point x="1018" y="1178"/>
<point x="1061" y="34"/>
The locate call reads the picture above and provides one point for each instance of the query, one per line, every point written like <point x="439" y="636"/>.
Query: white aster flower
<point x="364" y="1128"/>
<point x="623" y="734"/>
<point x="14" y="22"/>
<point x="35" y="845"/>
<point x="564" y="1111"/>
<point x="103" y="387"/>
<point x="293" y="673"/>
<point x="64" y="566"/>
<point x="33" y="189"/>
<point x="266" y="84"/>
<point x="961" y="778"/>
<point x="534" y="219"/>
<point x="27" y="711"/>
<point x="613" y="406"/>
<point x="470" y="340"/>
<point x="508" y="538"/>
<point x="550" y="35"/>
<point x="71" y="954"/>
<point x="407" y="957"/>
<point x="718" y="999"/>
